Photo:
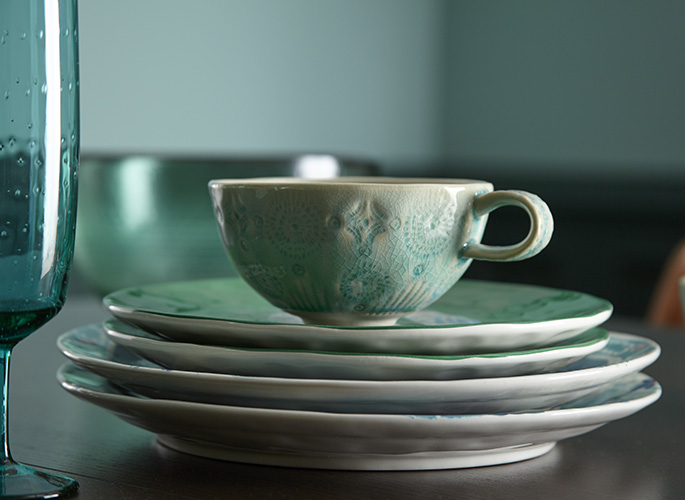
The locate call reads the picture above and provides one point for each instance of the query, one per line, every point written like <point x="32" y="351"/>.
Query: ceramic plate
<point x="357" y="441"/>
<point x="624" y="354"/>
<point x="330" y="365"/>
<point x="473" y="317"/>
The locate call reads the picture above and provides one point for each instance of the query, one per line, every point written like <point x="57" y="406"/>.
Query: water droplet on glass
<point x="17" y="193"/>
<point x="20" y="160"/>
<point x="23" y="35"/>
<point x="28" y="92"/>
<point x="18" y="80"/>
<point x="38" y="163"/>
<point x="32" y="143"/>
<point x="11" y="141"/>
<point x="29" y="126"/>
<point x="41" y="34"/>
<point x="3" y="234"/>
<point x="7" y="94"/>
<point x="44" y="88"/>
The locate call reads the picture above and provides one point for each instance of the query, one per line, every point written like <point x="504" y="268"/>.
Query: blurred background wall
<point x="573" y="86"/>
<point x="256" y="76"/>
<point x="581" y="102"/>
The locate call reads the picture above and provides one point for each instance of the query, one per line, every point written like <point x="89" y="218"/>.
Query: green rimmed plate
<point x="333" y="365"/>
<point x="624" y="354"/>
<point x="473" y="317"/>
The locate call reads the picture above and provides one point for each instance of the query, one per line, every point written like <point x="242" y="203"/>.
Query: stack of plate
<point x="491" y="373"/>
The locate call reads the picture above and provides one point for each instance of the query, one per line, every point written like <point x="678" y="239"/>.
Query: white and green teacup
<point x="363" y="251"/>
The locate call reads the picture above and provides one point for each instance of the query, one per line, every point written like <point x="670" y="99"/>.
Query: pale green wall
<point x="362" y="77"/>
<point x="546" y="84"/>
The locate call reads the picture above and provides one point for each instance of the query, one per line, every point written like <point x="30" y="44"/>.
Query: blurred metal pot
<point x="145" y="219"/>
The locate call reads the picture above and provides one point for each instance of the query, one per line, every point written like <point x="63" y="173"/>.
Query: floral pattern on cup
<point x="293" y="227"/>
<point x="364" y="222"/>
<point x="428" y="231"/>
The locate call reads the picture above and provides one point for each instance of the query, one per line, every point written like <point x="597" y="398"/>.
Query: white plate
<point x="624" y="354"/>
<point x="473" y="317"/>
<point x="330" y="365"/>
<point x="361" y="442"/>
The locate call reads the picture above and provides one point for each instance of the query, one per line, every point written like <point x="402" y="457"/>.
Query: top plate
<point x="473" y="317"/>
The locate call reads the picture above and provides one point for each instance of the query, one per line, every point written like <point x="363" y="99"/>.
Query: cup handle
<point x="539" y="235"/>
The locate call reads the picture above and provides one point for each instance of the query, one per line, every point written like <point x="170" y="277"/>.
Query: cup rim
<point x="356" y="181"/>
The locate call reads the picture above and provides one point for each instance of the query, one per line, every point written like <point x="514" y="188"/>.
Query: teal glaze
<point x="633" y="387"/>
<point x="363" y="251"/>
<point x="541" y="226"/>
<point x="92" y="350"/>
<point x="301" y="362"/>
<point x="90" y="341"/>
<point x="39" y="159"/>
<point x="469" y="302"/>
<point x="630" y="389"/>
<point x="587" y="338"/>
<point x="363" y="441"/>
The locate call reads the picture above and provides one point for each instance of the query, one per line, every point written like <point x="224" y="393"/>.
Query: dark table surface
<point x="639" y="457"/>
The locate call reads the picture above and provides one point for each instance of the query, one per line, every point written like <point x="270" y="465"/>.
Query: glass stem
<point x="4" y="422"/>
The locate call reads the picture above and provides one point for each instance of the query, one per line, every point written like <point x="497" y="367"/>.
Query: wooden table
<point x="640" y="457"/>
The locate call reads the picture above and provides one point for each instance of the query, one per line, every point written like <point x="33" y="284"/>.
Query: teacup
<point x="363" y="251"/>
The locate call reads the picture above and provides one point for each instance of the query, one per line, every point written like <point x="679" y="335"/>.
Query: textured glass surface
<point x="39" y="144"/>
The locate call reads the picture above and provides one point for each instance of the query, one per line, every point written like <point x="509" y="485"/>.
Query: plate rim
<point x="602" y="309"/>
<point x="582" y="381"/>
